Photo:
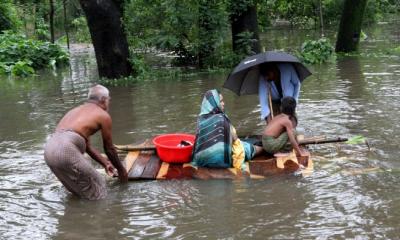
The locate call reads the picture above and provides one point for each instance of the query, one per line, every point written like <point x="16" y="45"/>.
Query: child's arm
<point x="292" y="138"/>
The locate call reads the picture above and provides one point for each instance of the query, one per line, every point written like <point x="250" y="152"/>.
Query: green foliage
<point x="316" y="52"/>
<point x="305" y="13"/>
<point x="42" y="29"/>
<point x="8" y="16"/>
<point x="80" y="30"/>
<point x="245" y="39"/>
<point x="397" y="50"/>
<point x="356" y="140"/>
<point x="238" y="6"/>
<point x="164" y="25"/>
<point x="138" y="64"/>
<point x="22" y="68"/>
<point x="21" y="56"/>
<point x="190" y="30"/>
<point x="377" y="10"/>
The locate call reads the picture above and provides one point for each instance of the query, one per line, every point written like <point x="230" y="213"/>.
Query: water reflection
<point x="353" y="192"/>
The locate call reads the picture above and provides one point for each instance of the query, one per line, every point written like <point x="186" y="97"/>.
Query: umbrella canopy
<point x="245" y="77"/>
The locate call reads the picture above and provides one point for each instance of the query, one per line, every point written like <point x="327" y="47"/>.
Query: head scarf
<point x="211" y="103"/>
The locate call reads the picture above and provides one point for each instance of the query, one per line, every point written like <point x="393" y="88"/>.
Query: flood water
<point x="353" y="192"/>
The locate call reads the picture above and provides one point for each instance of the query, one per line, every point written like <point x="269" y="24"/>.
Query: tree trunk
<point x="321" y="19"/>
<point x="350" y="25"/>
<point x="66" y="22"/>
<point x="245" y="20"/>
<point x="108" y="37"/>
<point x="51" y="18"/>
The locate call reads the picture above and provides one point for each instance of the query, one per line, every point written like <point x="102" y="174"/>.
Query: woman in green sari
<point x="217" y="144"/>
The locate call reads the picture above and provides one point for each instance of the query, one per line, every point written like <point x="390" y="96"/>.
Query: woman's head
<point x="212" y="102"/>
<point x="288" y="106"/>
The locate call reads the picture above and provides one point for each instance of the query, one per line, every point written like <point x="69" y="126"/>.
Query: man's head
<point x="270" y="71"/>
<point x="101" y="95"/>
<point x="288" y="106"/>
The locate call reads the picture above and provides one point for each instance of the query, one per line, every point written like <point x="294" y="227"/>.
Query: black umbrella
<point x="245" y="77"/>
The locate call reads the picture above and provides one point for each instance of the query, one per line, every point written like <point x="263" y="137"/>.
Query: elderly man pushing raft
<point x="65" y="148"/>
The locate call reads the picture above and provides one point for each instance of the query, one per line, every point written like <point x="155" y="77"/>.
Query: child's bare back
<point x="278" y="125"/>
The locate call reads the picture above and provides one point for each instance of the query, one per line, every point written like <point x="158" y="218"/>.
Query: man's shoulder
<point x="94" y="111"/>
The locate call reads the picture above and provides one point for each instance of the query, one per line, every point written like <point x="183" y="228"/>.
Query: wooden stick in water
<point x="317" y="141"/>
<point x="134" y="148"/>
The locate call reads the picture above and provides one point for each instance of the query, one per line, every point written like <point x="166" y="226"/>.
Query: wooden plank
<point x="130" y="159"/>
<point x="152" y="167"/>
<point x="177" y="171"/>
<point x="139" y="166"/>
<point x="281" y="158"/>
<point x="264" y="167"/>
<point x="163" y="171"/>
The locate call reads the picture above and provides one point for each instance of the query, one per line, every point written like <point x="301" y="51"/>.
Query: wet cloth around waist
<point x="64" y="155"/>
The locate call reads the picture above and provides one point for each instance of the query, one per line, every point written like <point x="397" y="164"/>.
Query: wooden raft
<point x="146" y="165"/>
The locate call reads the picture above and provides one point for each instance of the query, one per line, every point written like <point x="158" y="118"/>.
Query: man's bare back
<point x="84" y="120"/>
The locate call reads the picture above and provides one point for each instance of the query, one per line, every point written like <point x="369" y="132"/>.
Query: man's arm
<point x="110" y="150"/>
<point x="96" y="155"/>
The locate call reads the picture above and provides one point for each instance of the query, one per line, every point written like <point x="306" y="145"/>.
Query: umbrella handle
<point x="271" y="110"/>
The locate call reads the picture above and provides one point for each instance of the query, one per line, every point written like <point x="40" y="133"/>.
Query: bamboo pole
<point x="271" y="110"/>
<point x="308" y="141"/>
<point x="322" y="141"/>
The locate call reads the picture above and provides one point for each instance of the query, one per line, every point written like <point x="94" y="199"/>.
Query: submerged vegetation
<point x="316" y="52"/>
<point x="21" y="56"/>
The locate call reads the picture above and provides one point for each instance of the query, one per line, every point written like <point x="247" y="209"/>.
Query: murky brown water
<point x="353" y="192"/>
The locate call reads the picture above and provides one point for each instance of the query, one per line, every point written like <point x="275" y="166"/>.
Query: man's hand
<point x="110" y="170"/>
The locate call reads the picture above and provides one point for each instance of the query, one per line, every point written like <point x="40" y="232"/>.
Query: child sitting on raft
<point x="281" y="130"/>
<point x="217" y="144"/>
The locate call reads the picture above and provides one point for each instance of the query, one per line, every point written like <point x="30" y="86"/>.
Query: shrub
<point x="21" y="56"/>
<point x="318" y="51"/>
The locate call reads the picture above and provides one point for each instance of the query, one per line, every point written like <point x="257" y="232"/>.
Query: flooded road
<point x="353" y="193"/>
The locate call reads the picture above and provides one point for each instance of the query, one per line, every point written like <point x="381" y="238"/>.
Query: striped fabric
<point x="213" y="143"/>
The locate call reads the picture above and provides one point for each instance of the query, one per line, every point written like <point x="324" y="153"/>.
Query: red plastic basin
<point x="170" y="150"/>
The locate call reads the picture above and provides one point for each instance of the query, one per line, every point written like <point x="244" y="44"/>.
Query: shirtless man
<point x="281" y="129"/>
<point x="65" y="148"/>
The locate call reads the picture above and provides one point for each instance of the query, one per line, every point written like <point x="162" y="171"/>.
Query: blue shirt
<point x="290" y="84"/>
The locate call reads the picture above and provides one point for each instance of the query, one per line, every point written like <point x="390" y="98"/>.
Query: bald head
<point x="98" y="93"/>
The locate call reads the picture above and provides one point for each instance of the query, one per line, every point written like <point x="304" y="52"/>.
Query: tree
<point x="8" y="16"/>
<point x="51" y="20"/>
<point x="108" y="37"/>
<point x="350" y="25"/>
<point x="244" y="23"/>
<point x="211" y="28"/>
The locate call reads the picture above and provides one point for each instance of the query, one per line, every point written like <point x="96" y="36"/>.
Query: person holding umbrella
<point x="279" y="71"/>
<point x="277" y="80"/>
